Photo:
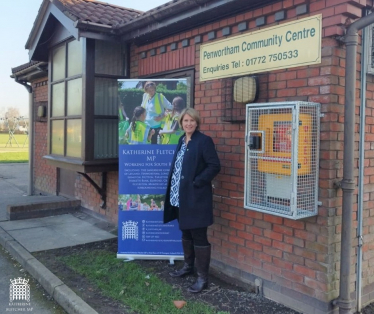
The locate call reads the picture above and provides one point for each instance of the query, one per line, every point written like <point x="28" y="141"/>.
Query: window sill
<point x="78" y="165"/>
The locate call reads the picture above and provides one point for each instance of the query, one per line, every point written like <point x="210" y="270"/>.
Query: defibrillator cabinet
<point x="281" y="158"/>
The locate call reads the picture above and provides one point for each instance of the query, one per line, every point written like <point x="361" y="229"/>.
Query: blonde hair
<point x="192" y="113"/>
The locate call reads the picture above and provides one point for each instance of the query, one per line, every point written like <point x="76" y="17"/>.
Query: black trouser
<point x="154" y="136"/>
<point x="198" y="236"/>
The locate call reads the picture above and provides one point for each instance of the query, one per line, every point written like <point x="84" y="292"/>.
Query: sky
<point x="16" y="20"/>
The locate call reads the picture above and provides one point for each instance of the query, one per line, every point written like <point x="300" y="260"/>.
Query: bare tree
<point x="11" y="114"/>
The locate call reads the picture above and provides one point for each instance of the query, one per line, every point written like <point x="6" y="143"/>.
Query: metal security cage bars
<point x="282" y="158"/>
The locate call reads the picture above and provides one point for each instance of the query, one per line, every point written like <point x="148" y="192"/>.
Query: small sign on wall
<point x="282" y="46"/>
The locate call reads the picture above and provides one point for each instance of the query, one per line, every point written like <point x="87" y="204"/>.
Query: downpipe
<point x="361" y="166"/>
<point x="344" y="301"/>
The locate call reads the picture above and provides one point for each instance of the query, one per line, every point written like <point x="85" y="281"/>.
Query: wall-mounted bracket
<point x="101" y="190"/>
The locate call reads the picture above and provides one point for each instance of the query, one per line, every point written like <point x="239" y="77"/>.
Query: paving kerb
<point x="14" y="189"/>
<point x="63" y="295"/>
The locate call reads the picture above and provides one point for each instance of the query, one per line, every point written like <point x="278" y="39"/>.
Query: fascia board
<point x="62" y="18"/>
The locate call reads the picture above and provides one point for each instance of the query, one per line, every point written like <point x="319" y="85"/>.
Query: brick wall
<point x="91" y="199"/>
<point x="44" y="175"/>
<point x="302" y="257"/>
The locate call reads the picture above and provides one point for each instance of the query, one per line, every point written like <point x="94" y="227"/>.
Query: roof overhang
<point x="30" y="71"/>
<point x="168" y="19"/>
<point x="184" y="15"/>
<point x="50" y="14"/>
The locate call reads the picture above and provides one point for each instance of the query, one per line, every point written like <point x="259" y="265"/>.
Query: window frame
<point x="86" y="163"/>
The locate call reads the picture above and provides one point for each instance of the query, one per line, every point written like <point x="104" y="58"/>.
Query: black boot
<point x="202" y="265"/>
<point x="189" y="259"/>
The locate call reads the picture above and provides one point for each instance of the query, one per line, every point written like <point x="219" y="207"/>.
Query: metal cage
<point x="282" y="158"/>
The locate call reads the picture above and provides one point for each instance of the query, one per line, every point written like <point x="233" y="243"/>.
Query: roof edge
<point x="38" y="21"/>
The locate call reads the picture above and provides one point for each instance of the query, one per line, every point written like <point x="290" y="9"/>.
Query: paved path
<point x="40" y="301"/>
<point x="22" y="237"/>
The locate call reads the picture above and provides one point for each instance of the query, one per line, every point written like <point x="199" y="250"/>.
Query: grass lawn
<point x="141" y="291"/>
<point x="14" y="149"/>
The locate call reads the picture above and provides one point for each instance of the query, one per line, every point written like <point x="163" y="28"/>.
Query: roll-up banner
<point x="148" y="132"/>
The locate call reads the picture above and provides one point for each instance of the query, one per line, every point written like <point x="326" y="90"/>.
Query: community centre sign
<point x="293" y="44"/>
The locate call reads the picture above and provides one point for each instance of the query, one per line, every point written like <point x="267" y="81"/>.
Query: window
<point x="109" y="66"/>
<point x="83" y="119"/>
<point x="66" y="105"/>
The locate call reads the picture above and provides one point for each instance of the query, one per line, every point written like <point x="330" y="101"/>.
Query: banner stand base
<point x="131" y="257"/>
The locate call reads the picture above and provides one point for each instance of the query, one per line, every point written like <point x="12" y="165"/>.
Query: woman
<point x="155" y="105"/>
<point x="171" y="131"/>
<point x="139" y="132"/>
<point x="189" y="196"/>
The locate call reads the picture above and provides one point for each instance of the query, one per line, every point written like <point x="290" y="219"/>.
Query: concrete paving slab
<point x="54" y="232"/>
<point x="22" y="224"/>
<point x="82" y="232"/>
<point x="60" y="219"/>
<point x="40" y="239"/>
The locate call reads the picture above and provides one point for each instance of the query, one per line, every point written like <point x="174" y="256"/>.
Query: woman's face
<point x="189" y="125"/>
<point x="151" y="90"/>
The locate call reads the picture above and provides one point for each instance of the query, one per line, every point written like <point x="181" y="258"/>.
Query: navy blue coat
<point x="200" y="165"/>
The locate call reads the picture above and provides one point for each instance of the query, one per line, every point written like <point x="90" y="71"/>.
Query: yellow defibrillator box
<point x="282" y="154"/>
<point x="278" y="132"/>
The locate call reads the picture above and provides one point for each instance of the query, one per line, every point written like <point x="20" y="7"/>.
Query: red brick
<point x="253" y="245"/>
<point x="245" y="235"/>
<point x="272" y="269"/>
<point x="228" y="216"/>
<point x="237" y="240"/>
<point x="283" y="229"/>
<point x="262" y="240"/>
<point x="292" y="276"/>
<point x="272" y="251"/>
<point x="273" y="235"/>
<point x="305" y="235"/>
<point x="282" y="246"/>
<point x="305" y="271"/>
<point x="263" y="257"/>
<point x="282" y="263"/>
<point x="273" y="219"/>
<point x="304" y="289"/>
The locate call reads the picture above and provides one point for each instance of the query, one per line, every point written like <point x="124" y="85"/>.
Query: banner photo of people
<point x="148" y="132"/>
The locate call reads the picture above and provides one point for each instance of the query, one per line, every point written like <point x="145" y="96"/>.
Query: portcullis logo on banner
<point x="130" y="230"/>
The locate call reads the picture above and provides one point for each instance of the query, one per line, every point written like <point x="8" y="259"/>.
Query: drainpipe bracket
<point x="360" y="241"/>
<point x="340" y="39"/>
<point x="337" y="185"/>
<point x="344" y="305"/>
<point x="348" y="185"/>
